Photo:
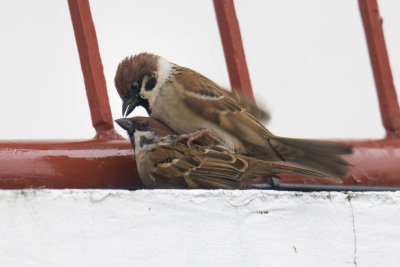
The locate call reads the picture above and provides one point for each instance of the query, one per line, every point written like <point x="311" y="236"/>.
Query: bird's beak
<point x="126" y="124"/>
<point x="128" y="105"/>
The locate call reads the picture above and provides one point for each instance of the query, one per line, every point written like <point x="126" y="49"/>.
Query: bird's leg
<point x="199" y="134"/>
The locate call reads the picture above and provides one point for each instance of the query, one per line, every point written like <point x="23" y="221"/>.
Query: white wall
<point x="308" y="61"/>
<point x="198" y="228"/>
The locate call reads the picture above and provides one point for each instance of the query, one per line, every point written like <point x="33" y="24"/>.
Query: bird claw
<point x="213" y="139"/>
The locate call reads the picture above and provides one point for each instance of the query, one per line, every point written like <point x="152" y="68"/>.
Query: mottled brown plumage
<point x="166" y="163"/>
<point x="187" y="101"/>
<point x="261" y="114"/>
<point x="259" y="142"/>
<point x="134" y="68"/>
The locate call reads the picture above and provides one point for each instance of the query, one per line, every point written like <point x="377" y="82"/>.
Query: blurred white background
<point x="308" y="61"/>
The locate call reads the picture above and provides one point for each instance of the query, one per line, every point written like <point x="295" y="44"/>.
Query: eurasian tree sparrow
<point x="187" y="101"/>
<point x="260" y="114"/>
<point x="165" y="162"/>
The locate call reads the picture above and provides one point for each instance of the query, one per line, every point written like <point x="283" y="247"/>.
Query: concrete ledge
<point x="198" y="228"/>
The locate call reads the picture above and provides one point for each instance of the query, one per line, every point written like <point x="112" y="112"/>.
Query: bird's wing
<point x="208" y="100"/>
<point x="260" y="114"/>
<point x="204" y="167"/>
<point x="197" y="167"/>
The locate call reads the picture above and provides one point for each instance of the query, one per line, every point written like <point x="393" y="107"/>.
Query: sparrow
<point x="164" y="162"/>
<point x="260" y="114"/>
<point x="187" y="101"/>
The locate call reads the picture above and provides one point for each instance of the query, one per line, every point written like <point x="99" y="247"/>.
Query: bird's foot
<point x="213" y="139"/>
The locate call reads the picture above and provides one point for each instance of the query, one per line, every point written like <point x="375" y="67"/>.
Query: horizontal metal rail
<point x="67" y="164"/>
<point x="111" y="164"/>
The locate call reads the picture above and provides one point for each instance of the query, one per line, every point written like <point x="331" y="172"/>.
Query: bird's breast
<point x="144" y="166"/>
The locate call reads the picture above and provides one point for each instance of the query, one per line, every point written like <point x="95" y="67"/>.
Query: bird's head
<point x="131" y="125"/>
<point x="143" y="129"/>
<point x="139" y="79"/>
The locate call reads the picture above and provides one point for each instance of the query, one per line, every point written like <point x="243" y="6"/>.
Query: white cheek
<point x="151" y="95"/>
<point x="164" y="68"/>
<point x="148" y="135"/>
<point x="137" y="138"/>
<point x="164" y="71"/>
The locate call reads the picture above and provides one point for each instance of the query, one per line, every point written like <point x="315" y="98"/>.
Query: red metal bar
<point x="111" y="164"/>
<point x="374" y="162"/>
<point x="233" y="47"/>
<point x="67" y="164"/>
<point x="388" y="102"/>
<point x="92" y="68"/>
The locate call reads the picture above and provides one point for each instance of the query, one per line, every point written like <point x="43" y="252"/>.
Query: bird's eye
<point x="151" y="83"/>
<point x="134" y="86"/>
<point x="144" y="124"/>
<point x="133" y="89"/>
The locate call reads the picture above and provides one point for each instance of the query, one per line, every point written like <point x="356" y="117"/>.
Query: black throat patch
<point x="145" y="104"/>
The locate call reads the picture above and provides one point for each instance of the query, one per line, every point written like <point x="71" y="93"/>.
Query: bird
<point x="186" y="101"/>
<point x="165" y="162"/>
<point x="261" y="114"/>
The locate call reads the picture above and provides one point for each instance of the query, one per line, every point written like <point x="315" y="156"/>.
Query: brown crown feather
<point x="157" y="126"/>
<point x="133" y="68"/>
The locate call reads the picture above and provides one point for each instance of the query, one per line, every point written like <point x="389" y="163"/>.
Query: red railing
<point x="107" y="161"/>
<point x="387" y="96"/>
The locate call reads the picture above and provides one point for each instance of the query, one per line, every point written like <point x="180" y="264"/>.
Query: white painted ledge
<point x="198" y="228"/>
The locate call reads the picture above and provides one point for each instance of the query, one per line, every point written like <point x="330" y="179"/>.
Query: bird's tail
<point x="260" y="168"/>
<point x="322" y="156"/>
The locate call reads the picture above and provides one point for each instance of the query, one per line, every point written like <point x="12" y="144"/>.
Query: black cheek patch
<point x="144" y="141"/>
<point x="150" y="84"/>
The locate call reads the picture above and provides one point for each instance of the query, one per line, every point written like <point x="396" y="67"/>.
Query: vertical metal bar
<point x="233" y="47"/>
<point x="388" y="102"/>
<point x="92" y="68"/>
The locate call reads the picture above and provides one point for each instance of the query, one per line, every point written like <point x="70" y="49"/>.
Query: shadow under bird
<point x="186" y="101"/>
<point x="166" y="161"/>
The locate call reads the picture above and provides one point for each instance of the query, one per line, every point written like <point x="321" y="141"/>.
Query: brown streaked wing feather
<point x="260" y="114"/>
<point x="219" y="169"/>
<point x="208" y="100"/>
<point x="164" y="171"/>
<point x="196" y="167"/>
<point x="269" y="168"/>
<point x="197" y="84"/>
